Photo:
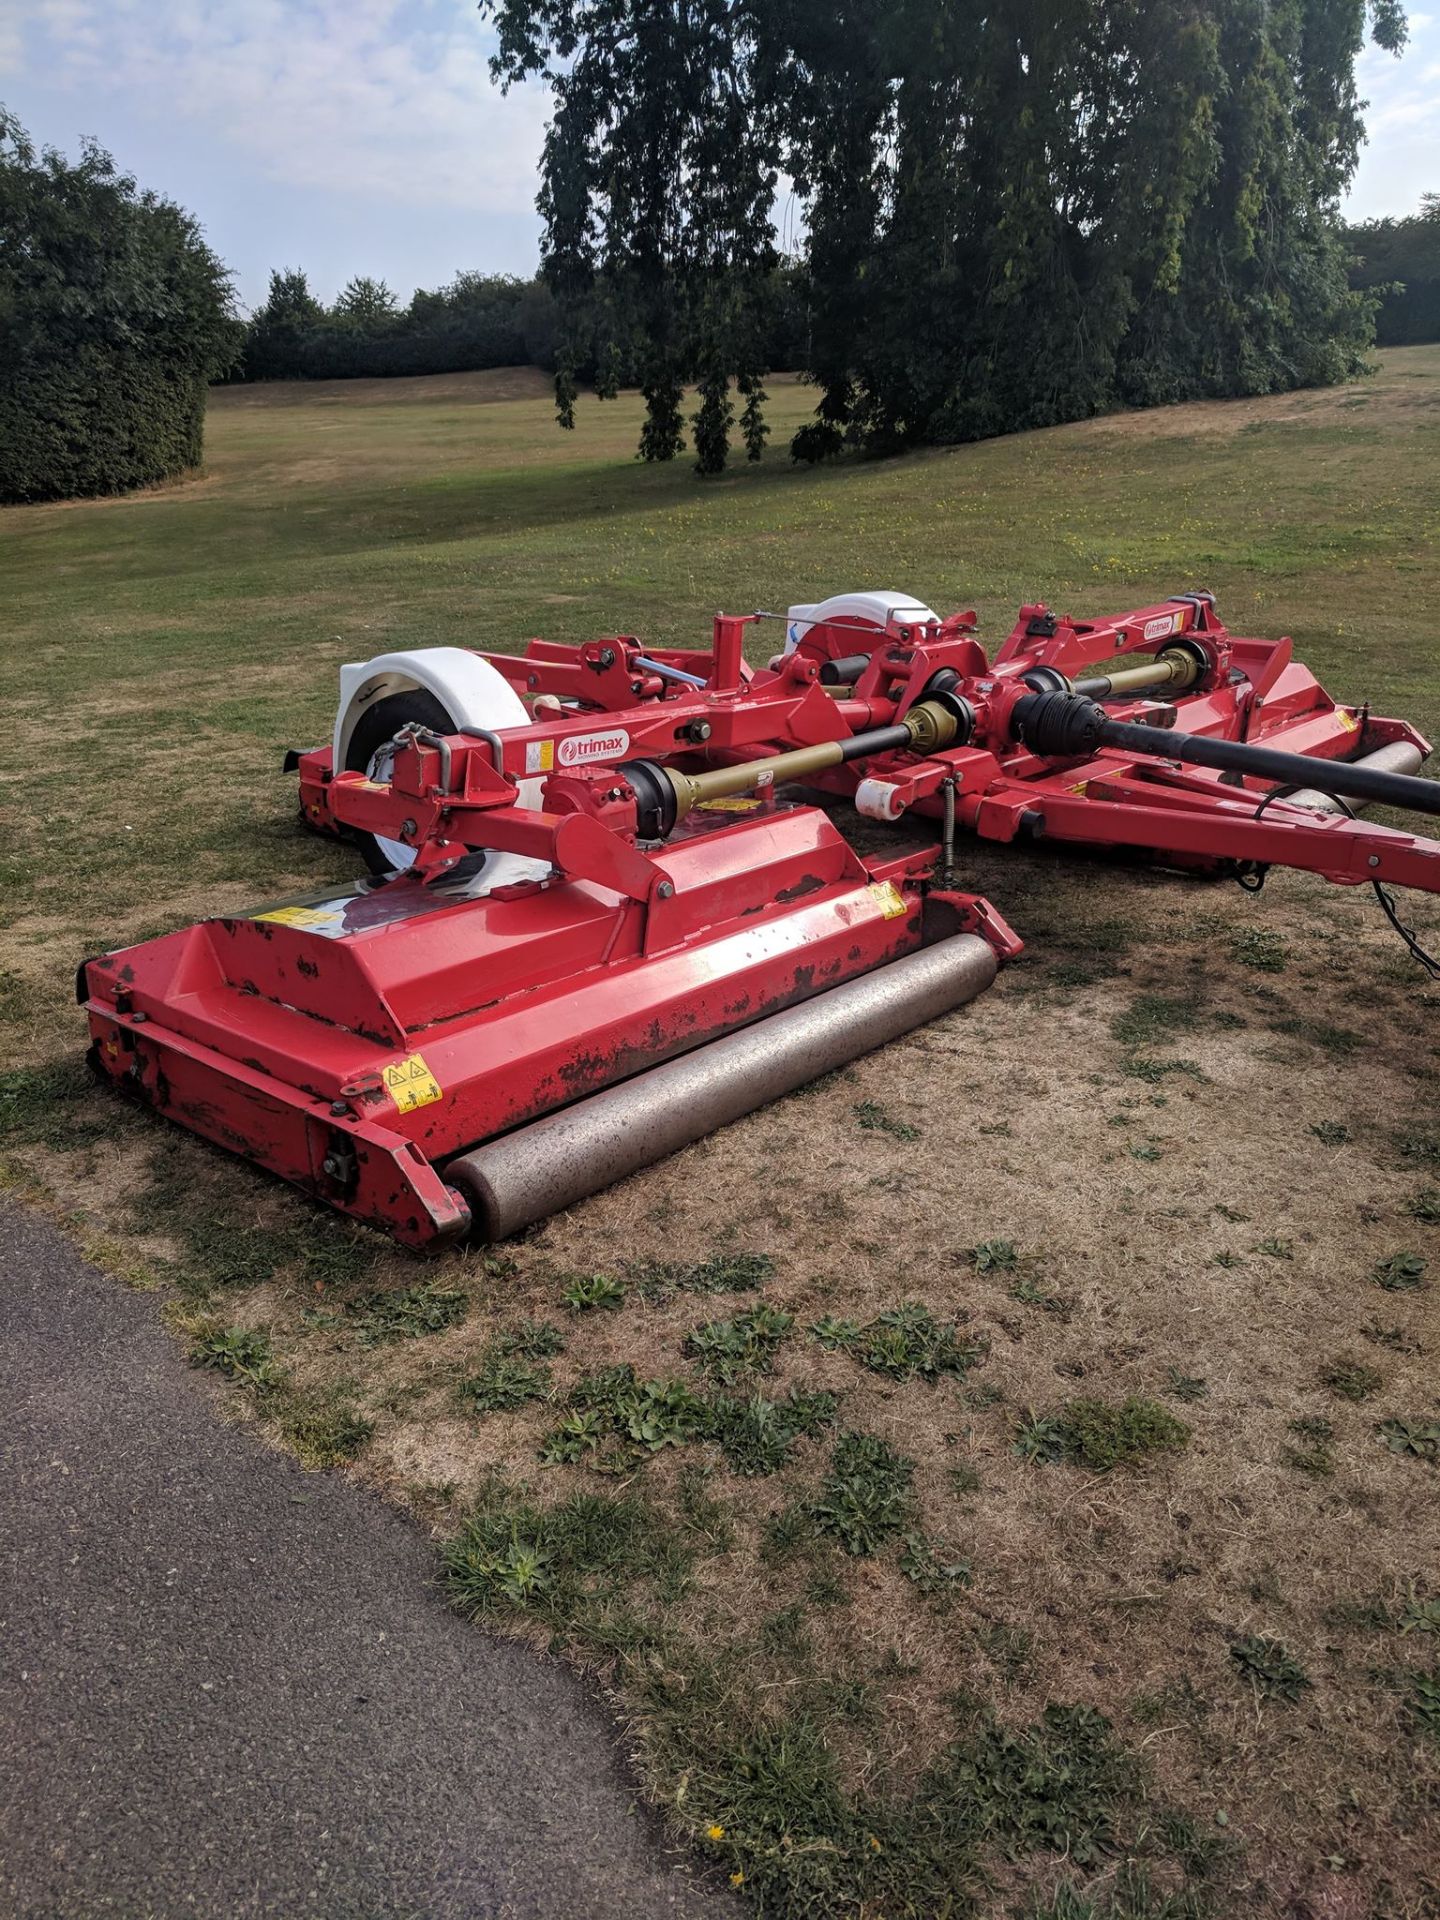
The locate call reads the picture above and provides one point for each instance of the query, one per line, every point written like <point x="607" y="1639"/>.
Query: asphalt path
<point x="230" y="1688"/>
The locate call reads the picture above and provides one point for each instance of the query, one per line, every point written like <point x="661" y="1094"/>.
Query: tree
<point x="660" y="169"/>
<point x="366" y="305"/>
<point x="1016" y="212"/>
<point x="280" y="332"/>
<point x="114" y="316"/>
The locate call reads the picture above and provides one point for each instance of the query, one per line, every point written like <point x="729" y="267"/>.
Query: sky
<point x="368" y="137"/>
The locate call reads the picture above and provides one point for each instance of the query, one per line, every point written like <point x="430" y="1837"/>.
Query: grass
<point x="872" y="1660"/>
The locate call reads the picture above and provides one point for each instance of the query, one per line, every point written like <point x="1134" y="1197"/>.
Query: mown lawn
<point x="1026" y="1497"/>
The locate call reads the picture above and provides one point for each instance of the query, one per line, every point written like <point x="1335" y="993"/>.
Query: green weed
<point x="1350" y="1378"/>
<point x="1395" y="1338"/>
<point x="1186" y="1386"/>
<point x="240" y="1353"/>
<point x="1139" y="1067"/>
<point x="922" y="1565"/>
<point x="836" y="1332"/>
<point x="874" y="1119"/>
<point x="993" y="1256"/>
<point x="906" y="1342"/>
<point x="590" y="1290"/>
<point x="1339" y="1040"/>
<point x="1101" y="1435"/>
<point x="867" y="1494"/>
<point x="747" y="1343"/>
<point x="660" y="1280"/>
<point x="616" y="1420"/>
<point x="1420" y="1439"/>
<point x="1423" y="1703"/>
<point x="503" y="1381"/>
<point x="405" y="1314"/>
<point x="535" y="1339"/>
<point x="1419" y="1616"/>
<point x="1271" y="1669"/>
<point x="1317" y="1456"/>
<point x="1400" y="1272"/>
<point x="325" y="1428"/>
<point x="756" y="1435"/>
<point x="1029" y="1292"/>
<point x="1261" y="948"/>
<point x="563" y="1563"/>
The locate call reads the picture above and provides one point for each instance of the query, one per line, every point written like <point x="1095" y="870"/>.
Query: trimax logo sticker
<point x="1162" y="624"/>
<point x="410" y="1083"/>
<point x="576" y="748"/>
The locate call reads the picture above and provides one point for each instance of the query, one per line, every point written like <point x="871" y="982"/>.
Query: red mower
<point x="599" y="924"/>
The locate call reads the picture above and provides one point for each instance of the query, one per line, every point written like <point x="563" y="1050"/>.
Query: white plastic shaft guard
<point x="473" y="694"/>
<point x="878" y="800"/>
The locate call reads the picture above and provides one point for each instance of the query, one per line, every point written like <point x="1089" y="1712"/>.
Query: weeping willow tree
<point x="1014" y="213"/>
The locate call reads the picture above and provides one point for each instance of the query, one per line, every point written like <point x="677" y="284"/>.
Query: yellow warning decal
<point x="739" y="803"/>
<point x="1082" y="789"/>
<point x="885" y="896"/>
<point x="539" y="756"/>
<point x="311" y="918"/>
<point x="410" y="1083"/>
<point x="1347" y="720"/>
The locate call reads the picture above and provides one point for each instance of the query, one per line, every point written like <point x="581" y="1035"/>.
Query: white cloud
<point x="373" y="97"/>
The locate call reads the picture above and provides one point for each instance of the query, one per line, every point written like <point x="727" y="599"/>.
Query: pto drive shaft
<point x="1067" y="726"/>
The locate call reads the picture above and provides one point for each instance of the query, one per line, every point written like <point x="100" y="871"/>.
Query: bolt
<point x="698" y="730"/>
<point x="407" y="829"/>
<point x="338" y="1107"/>
<point x="665" y="890"/>
<point x="138" y="1019"/>
<point x="1374" y="860"/>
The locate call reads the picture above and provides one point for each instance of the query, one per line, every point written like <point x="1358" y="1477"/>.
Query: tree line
<point x="1014" y="213"/>
<point x="478" y="320"/>
<point x="1399" y="261"/>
